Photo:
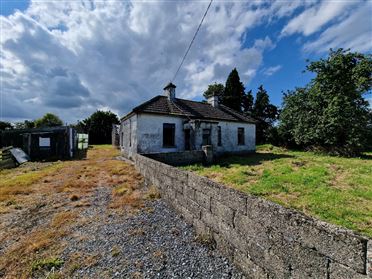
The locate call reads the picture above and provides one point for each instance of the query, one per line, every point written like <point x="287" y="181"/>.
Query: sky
<point x="74" y="57"/>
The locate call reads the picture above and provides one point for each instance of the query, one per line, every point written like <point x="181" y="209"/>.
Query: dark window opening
<point x="219" y="136"/>
<point x="241" y="136"/>
<point x="169" y="135"/>
<point x="206" y="137"/>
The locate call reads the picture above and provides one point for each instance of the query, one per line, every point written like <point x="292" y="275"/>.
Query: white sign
<point x="44" y="142"/>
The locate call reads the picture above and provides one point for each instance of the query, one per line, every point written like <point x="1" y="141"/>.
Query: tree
<point x="330" y="112"/>
<point x="234" y="91"/>
<point x="48" y="120"/>
<point x="247" y="103"/>
<point x="25" y="125"/>
<point x="216" y="89"/>
<point x="5" y="125"/>
<point x="99" y="126"/>
<point x="265" y="113"/>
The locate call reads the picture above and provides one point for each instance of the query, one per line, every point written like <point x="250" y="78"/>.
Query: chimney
<point x="213" y="101"/>
<point x="170" y="91"/>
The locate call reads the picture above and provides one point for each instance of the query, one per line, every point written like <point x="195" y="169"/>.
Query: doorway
<point x="187" y="139"/>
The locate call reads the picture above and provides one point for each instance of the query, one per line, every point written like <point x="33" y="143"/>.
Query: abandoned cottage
<point x="168" y="124"/>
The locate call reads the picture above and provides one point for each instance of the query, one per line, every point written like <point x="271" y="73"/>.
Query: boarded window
<point x="206" y="137"/>
<point x="241" y="136"/>
<point x="169" y="134"/>
<point x="219" y="142"/>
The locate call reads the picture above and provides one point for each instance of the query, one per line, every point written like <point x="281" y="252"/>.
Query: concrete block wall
<point x="178" y="158"/>
<point x="264" y="239"/>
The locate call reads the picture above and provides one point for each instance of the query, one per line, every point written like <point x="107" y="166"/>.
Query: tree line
<point x="98" y="125"/>
<point x="329" y="114"/>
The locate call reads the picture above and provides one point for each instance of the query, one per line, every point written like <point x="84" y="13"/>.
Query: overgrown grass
<point x="334" y="189"/>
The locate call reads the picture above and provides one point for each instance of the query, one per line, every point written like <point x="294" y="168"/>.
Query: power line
<point x="188" y="49"/>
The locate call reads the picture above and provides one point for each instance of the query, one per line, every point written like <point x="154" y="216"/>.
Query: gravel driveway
<point x="153" y="243"/>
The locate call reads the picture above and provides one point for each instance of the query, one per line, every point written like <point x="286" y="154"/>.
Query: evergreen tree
<point x="265" y="113"/>
<point x="330" y="112"/>
<point x="234" y="91"/>
<point x="216" y="89"/>
<point x="247" y="103"/>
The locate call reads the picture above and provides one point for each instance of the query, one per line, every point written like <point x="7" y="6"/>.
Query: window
<point x="219" y="136"/>
<point x="168" y="134"/>
<point x="240" y="136"/>
<point x="206" y="136"/>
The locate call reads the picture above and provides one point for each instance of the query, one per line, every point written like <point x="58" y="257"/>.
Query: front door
<point x="187" y="139"/>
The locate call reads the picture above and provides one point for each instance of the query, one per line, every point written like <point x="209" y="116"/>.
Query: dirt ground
<point x="40" y="203"/>
<point x="95" y="218"/>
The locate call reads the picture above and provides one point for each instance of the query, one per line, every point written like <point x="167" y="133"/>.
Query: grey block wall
<point x="178" y="158"/>
<point x="264" y="239"/>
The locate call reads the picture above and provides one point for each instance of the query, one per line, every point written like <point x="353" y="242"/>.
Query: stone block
<point x="223" y="246"/>
<point x="248" y="267"/>
<point x="233" y="198"/>
<point x="203" y="200"/>
<point x="204" y="185"/>
<point x="339" y="271"/>
<point x="189" y="192"/>
<point x="223" y="212"/>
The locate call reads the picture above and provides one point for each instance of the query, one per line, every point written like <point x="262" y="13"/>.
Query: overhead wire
<point x="192" y="41"/>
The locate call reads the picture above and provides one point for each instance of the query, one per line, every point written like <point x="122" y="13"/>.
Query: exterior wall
<point x="229" y="135"/>
<point x="147" y="135"/>
<point x="128" y="136"/>
<point x="150" y="133"/>
<point x="264" y="239"/>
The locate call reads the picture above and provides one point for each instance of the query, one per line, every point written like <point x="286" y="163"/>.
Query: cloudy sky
<point x="74" y="57"/>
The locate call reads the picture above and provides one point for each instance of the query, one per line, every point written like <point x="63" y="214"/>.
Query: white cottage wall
<point x="128" y="136"/>
<point x="229" y="137"/>
<point x="150" y="133"/>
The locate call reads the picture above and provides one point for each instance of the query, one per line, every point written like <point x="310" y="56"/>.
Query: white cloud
<point x="75" y="57"/>
<point x="354" y="32"/>
<point x="271" y="70"/>
<point x="313" y="19"/>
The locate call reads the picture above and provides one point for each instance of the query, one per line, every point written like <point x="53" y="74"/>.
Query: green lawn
<point x="334" y="189"/>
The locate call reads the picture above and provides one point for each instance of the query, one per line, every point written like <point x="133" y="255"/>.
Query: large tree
<point x="247" y="103"/>
<point x="99" y="126"/>
<point x="27" y="124"/>
<point x="216" y="89"/>
<point x="265" y="113"/>
<point x="234" y="91"/>
<point x="48" y="120"/>
<point x="5" y="125"/>
<point x="330" y="112"/>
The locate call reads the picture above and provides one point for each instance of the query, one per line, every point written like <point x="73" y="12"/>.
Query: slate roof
<point x="189" y="109"/>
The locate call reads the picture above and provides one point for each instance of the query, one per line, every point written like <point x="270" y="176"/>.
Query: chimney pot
<point x="170" y="91"/>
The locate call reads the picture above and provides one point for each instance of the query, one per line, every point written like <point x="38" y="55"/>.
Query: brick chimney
<point x="213" y="101"/>
<point x="170" y="91"/>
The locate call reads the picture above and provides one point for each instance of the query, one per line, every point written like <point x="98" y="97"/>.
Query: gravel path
<point x="153" y="243"/>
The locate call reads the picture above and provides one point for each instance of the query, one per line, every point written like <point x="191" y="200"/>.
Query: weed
<point x="46" y="264"/>
<point x="115" y="251"/>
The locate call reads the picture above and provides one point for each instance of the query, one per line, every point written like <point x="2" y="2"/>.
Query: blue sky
<point x="73" y="57"/>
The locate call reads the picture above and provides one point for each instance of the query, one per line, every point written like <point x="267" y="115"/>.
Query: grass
<point x="334" y="189"/>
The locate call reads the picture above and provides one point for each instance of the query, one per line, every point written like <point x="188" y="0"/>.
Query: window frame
<point x="219" y="136"/>
<point x="241" y="136"/>
<point x="209" y="138"/>
<point x="172" y="128"/>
